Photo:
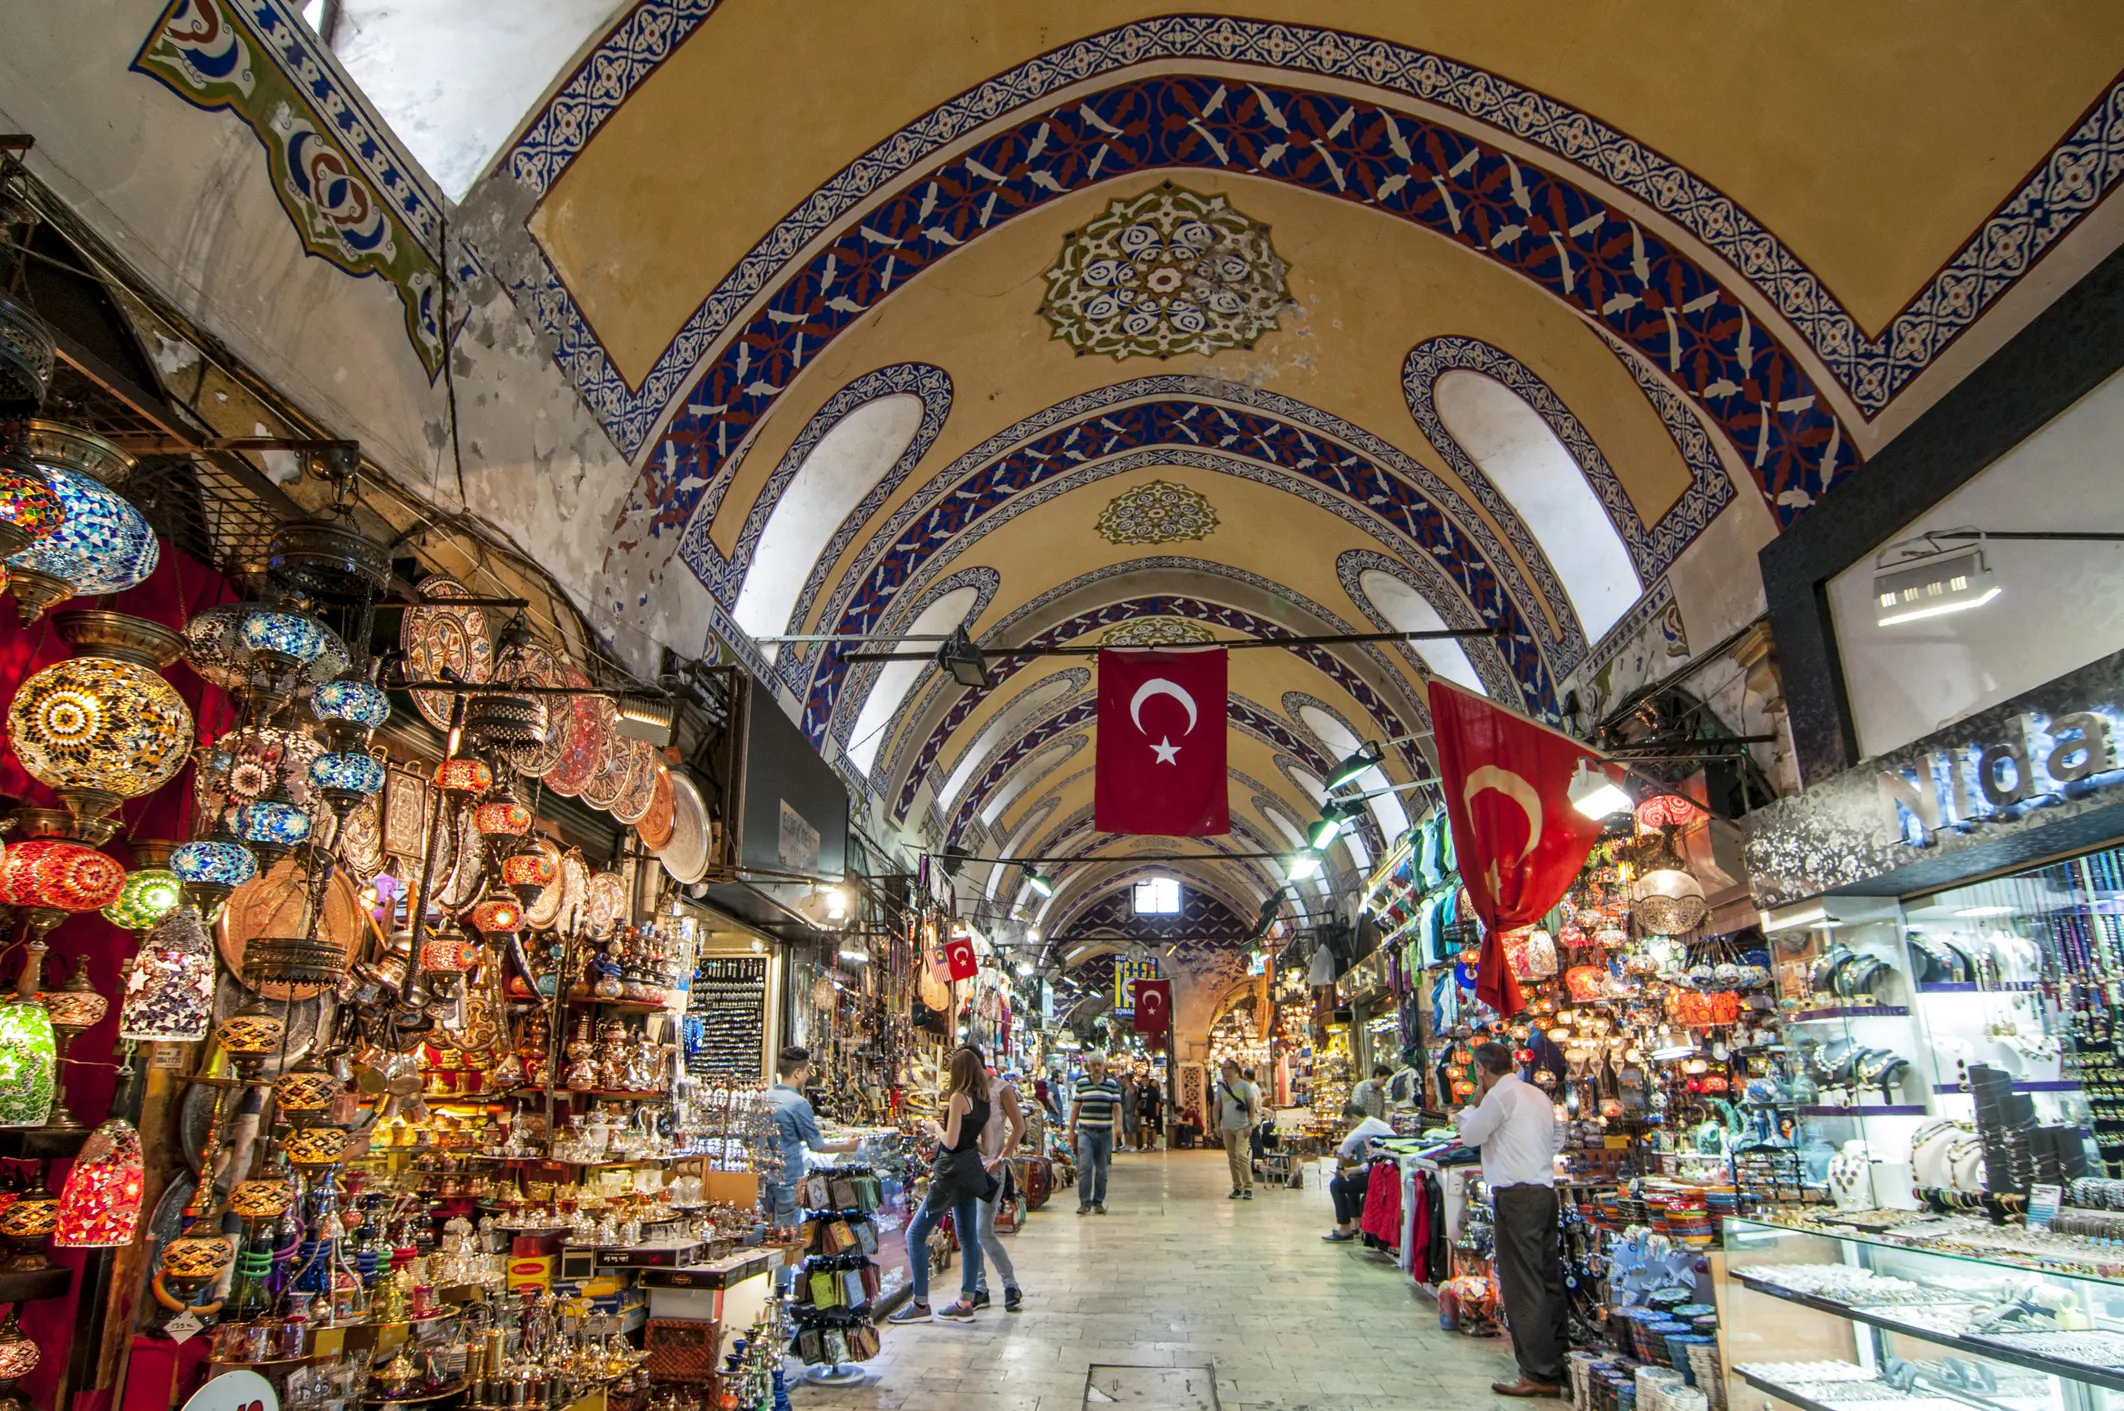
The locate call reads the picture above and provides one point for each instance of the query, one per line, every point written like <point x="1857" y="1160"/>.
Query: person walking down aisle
<point x="1515" y="1125"/>
<point x="998" y="1141"/>
<point x="1238" y="1109"/>
<point x="958" y="1183"/>
<point x="1353" y="1179"/>
<point x="1127" y="1137"/>
<point x="1148" y="1108"/>
<point x="1091" y="1130"/>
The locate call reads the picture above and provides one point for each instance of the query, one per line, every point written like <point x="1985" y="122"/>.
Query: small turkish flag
<point x="959" y="958"/>
<point x="1154" y="1005"/>
<point x="1161" y="744"/>
<point x="1519" y="841"/>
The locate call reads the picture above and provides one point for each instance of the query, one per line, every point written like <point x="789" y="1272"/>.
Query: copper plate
<point x="638" y="790"/>
<point x="272" y="905"/>
<point x="545" y="908"/>
<point x="584" y="743"/>
<point x="654" y="829"/>
<point x="438" y="637"/>
<point x="685" y="855"/>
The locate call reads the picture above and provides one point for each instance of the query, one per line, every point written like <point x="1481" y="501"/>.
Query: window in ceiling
<point x="1158" y="896"/>
<point x="850" y="458"/>
<point x="1409" y="611"/>
<point x="1532" y="469"/>
<point x="898" y="677"/>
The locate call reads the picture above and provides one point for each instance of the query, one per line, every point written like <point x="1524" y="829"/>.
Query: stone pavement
<point x="1178" y="1276"/>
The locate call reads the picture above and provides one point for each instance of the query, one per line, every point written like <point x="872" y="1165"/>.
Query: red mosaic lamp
<point x="464" y="776"/>
<point x="99" y="1206"/>
<point x="502" y="818"/>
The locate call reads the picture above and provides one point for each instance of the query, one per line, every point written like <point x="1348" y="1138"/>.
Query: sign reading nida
<point x="2032" y="762"/>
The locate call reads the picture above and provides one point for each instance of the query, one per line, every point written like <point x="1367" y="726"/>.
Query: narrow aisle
<point x="1177" y="1276"/>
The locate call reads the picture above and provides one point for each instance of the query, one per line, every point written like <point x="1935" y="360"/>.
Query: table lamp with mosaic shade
<point x="75" y="1008"/>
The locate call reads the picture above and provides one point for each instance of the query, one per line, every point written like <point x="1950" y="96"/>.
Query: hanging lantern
<point x="103" y="726"/>
<point x="273" y="827"/>
<point x="75" y="1008"/>
<point x="304" y="1093"/>
<point x="105" y="545"/>
<point x="498" y="916"/>
<point x="27" y="360"/>
<point x="99" y="1206"/>
<point x="240" y="646"/>
<point x="350" y="709"/>
<point x="464" y="776"/>
<point x="528" y="873"/>
<point x="149" y="894"/>
<point x="213" y="867"/>
<point x="19" y="1356"/>
<point x="249" y="1037"/>
<point x="51" y="878"/>
<point x="29" y="1050"/>
<point x="448" y="954"/>
<point x="30" y="509"/>
<point x="315" y="1146"/>
<point x="169" y="986"/>
<point x="346" y="778"/>
<point x="1666" y="898"/>
<point x="502" y="818"/>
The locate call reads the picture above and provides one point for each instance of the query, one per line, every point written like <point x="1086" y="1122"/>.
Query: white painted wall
<point x="1409" y="611"/>
<point x="1531" y="468"/>
<point x="2061" y="605"/>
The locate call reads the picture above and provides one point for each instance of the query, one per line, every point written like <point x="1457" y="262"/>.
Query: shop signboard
<point x="2031" y="777"/>
<point x="1126" y="971"/>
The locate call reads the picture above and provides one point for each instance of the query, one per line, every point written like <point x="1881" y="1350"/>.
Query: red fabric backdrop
<point x="178" y="588"/>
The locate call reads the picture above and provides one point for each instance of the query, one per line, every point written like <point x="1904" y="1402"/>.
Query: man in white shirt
<point x="1515" y="1125"/>
<point x="1352" y="1183"/>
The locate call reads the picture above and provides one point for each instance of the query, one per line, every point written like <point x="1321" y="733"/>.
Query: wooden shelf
<point x="23" y="1285"/>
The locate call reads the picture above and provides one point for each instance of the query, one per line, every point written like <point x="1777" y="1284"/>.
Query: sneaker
<point x="980" y="1298"/>
<point x="1013" y="1299"/>
<point x="1337" y="1237"/>
<point x="959" y="1312"/>
<point x="1098" y="1207"/>
<point x="1247" y="1194"/>
<point x="911" y="1312"/>
<point x="1234" y="1195"/>
<point x="1084" y="1210"/>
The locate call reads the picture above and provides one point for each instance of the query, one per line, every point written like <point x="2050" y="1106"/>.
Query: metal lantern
<point x="105" y="545"/>
<point x="75" y="1008"/>
<point x="99" y="1206"/>
<point x="27" y="362"/>
<point x="104" y="726"/>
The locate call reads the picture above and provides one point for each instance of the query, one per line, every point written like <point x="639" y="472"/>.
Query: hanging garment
<point x="1420" y="1234"/>
<point x="1382" y="1204"/>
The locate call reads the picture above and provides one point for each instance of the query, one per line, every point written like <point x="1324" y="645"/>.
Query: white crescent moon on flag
<point x="1513" y="787"/>
<point x="1159" y="686"/>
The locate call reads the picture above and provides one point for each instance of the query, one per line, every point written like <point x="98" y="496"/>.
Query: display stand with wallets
<point x="838" y="1281"/>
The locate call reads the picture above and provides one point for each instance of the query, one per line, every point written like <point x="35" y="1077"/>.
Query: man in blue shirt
<point x="796" y="1132"/>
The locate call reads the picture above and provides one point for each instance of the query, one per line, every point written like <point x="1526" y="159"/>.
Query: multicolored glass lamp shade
<point x="528" y="873"/>
<point x="272" y="827"/>
<point x="347" y="777"/>
<point x="27" y="1224"/>
<point x="19" y="1356"/>
<point x="496" y="916"/>
<point x="30" y="509"/>
<point x="52" y="877"/>
<point x="303" y="1094"/>
<point x="213" y="867"/>
<point x="169" y="986"/>
<point x="283" y="634"/>
<point x="75" y="1008"/>
<point x="502" y="818"/>
<point x="29" y="1063"/>
<point x="249" y="1037"/>
<point x="150" y="894"/>
<point x="464" y="776"/>
<point x="225" y="644"/>
<point x="99" y="1206"/>
<point x="104" y="726"/>
<point x="105" y="546"/>
<point x="350" y="710"/>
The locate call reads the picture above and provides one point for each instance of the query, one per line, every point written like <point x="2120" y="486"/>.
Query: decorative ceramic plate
<point x="470" y="874"/>
<point x="583" y="743"/>
<point x="405" y="813"/>
<point x="439" y="637"/>
<point x="275" y="905"/>
<point x="575" y="892"/>
<point x="532" y="665"/>
<point x="686" y="854"/>
<point x="604" y="787"/>
<point x="607" y="904"/>
<point x="546" y="906"/>
<point x="654" y="826"/>
<point x="638" y="789"/>
<point x="361" y="838"/>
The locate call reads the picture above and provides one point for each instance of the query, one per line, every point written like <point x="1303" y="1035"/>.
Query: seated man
<point x="1349" y="1186"/>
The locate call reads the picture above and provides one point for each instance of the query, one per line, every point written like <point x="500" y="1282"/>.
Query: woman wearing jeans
<point x="958" y="1183"/>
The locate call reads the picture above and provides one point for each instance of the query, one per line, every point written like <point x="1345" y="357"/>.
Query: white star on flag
<point x="1167" y="751"/>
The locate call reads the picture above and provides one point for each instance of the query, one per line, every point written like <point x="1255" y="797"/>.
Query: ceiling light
<point x="1794" y="918"/>
<point x="1327" y="826"/>
<point x="1978" y="913"/>
<point x="1032" y="933"/>
<point x="1040" y="882"/>
<point x="1594" y="794"/>
<point x="1929" y="581"/>
<point x="640" y="716"/>
<point x="856" y="957"/>
<point x="1304" y="866"/>
<point x="965" y="661"/>
<point x="1025" y="969"/>
<point x="1368" y="754"/>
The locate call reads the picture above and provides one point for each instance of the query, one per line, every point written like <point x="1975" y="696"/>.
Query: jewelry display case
<point x="1929" y="1314"/>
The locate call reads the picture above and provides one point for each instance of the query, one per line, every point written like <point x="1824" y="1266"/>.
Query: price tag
<point x="2043" y="1205"/>
<point x="184" y="1327"/>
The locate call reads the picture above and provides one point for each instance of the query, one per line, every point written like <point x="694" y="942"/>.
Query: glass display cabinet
<point x="1826" y="1321"/>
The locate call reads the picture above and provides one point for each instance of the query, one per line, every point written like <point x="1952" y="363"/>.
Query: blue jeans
<point x="966" y="1222"/>
<point x="1095" y="1150"/>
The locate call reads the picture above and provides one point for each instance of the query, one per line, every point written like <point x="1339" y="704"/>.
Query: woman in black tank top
<point x="958" y="1183"/>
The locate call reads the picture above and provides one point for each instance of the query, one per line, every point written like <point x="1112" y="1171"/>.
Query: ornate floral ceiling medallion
<point x="1156" y="632"/>
<point x="1159" y="512"/>
<point x="1166" y="272"/>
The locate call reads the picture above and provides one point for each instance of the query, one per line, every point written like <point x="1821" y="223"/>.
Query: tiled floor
<point x="1178" y="1276"/>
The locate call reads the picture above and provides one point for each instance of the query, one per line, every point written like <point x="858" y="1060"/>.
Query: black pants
<point x="1348" y="1191"/>
<point x="1530" y="1278"/>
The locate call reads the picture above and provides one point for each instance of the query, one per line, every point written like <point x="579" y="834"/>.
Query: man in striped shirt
<point x="1093" y="1111"/>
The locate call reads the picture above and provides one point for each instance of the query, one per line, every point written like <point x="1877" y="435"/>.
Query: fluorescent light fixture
<point x="650" y="719"/>
<point x="1327" y="827"/>
<point x="1032" y="933"/>
<point x="1672" y="1052"/>
<point x="1025" y="969"/>
<point x="1978" y="913"/>
<point x="836" y="904"/>
<point x="1594" y="794"/>
<point x="964" y="661"/>
<point x="1931" y="582"/>
<point x="1368" y="754"/>
<point x="1812" y="914"/>
<point x="856" y="957"/>
<point x="1304" y="866"/>
<point x="1042" y="884"/>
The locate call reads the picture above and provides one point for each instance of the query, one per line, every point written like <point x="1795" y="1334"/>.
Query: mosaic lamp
<point x="273" y="826"/>
<point x="464" y="776"/>
<point x="350" y="709"/>
<point x="169" y="986"/>
<point x="529" y="873"/>
<point x="52" y="878"/>
<point x="99" y="1206"/>
<point x="29" y="1051"/>
<point x="243" y="646"/>
<point x="75" y="1008"/>
<point x="345" y="778"/>
<point x="249" y="1037"/>
<point x="19" y="1356"/>
<point x="501" y="818"/>
<point x="30" y="509"/>
<point x="104" y="546"/>
<point x="26" y="1225"/>
<point x="212" y="867"/>
<point x="497" y="916"/>
<point x="103" y="726"/>
<point x="149" y="894"/>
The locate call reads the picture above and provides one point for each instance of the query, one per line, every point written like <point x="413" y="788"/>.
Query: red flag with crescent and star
<point x="1519" y="841"/>
<point x="1154" y="1005"/>
<point x="1161" y="744"/>
<point x="959" y="961"/>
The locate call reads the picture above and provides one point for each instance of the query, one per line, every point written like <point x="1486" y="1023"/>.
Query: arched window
<point x="898" y="677"/>
<point x="1531" y="468"/>
<point x="1410" y="611"/>
<point x="848" y="460"/>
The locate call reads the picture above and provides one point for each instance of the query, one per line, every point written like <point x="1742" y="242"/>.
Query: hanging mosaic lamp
<point x="464" y="776"/>
<point x="242" y="646"/>
<point x="273" y="826"/>
<point x="169" y="985"/>
<point x="212" y="867"/>
<point x="103" y="726"/>
<point x="528" y="873"/>
<point x="52" y="878"/>
<point x="149" y="894"/>
<point x="1666" y="898"/>
<point x="75" y="1008"/>
<point x="105" y="545"/>
<point x="350" y="709"/>
<point x="498" y="916"/>
<point x="345" y="779"/>
<point x="99" y="1206"/>
<point x="501" y="818"/>
<point x="306" y="1092"/>
<point x="249" y="1037"/>
<point x="29" y="1050"/>
<point x="19" y="1356"/>
<point x="30" y="509"/>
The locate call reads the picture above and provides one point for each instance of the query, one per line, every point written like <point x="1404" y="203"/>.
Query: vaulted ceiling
<point x="1102" y="324"/>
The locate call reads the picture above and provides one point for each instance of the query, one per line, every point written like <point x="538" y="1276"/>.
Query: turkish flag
<point x="1154" y="1005"/>
<point x="1519" y="841"/>
<point x="959" y="959"/>
<point x="1161" y="744"/>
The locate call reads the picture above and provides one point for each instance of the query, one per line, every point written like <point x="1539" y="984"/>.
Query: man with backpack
<point x="1238" y="1109"/>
